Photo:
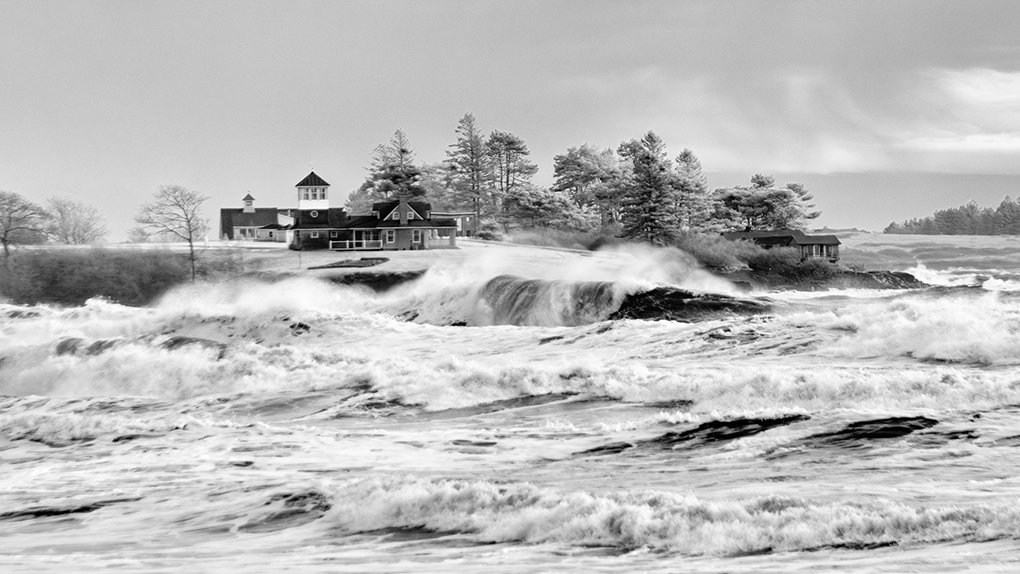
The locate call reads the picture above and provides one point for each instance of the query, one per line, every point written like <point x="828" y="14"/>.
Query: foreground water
<point x="299" y="425"/>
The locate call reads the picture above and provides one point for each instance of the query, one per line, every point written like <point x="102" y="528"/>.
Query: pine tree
<point x="391" y="173"/>
<point x="695" y="206"/>
<point x="468" y="167"/>
<point x="509" y="165"/>
<point x="649" y="205"/>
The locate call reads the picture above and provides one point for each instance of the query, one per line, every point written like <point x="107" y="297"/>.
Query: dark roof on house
<point x="362" y="222"/>
<point x="417" y="223"/>
<point x="333" y="217"/>
<point x="370" y="222"/>
<point x="453" y="213"/>
<point x="312" y="180"/>
<point x="236" y="217"/>
<point x="385" y="207"/>
<point x="248" y="198"/>
<point x="275" y="226"/>
<point x="782" y="237"/>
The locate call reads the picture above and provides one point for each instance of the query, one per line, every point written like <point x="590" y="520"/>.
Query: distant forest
<point x="970" y="219"/>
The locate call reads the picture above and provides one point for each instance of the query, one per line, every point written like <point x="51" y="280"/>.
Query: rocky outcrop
<point x="378" y="281"/>
<point x="672" y="304"/>
<point x="837" y="279"/>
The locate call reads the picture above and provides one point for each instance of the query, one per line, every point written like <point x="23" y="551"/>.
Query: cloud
<point x="812" y="119"/>
<point x="969" y="122"/>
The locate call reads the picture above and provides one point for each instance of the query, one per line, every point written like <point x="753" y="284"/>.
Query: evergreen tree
<point x="695" y="206"/>
<point x="531" y="206"/>
<point x="765" y="207"/>
<point x="648" y="207"/>
<point x="468" y="166"/>
<point x="509" y="165"/>
<point x="391" y="173"/>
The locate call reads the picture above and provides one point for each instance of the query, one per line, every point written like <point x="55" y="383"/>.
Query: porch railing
<point x="352" y="244"/>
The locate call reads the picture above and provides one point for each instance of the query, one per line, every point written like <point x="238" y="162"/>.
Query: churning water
<point x="514" y="424"/>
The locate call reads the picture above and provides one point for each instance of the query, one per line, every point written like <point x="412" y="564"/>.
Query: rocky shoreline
<point x="839" y="279"/>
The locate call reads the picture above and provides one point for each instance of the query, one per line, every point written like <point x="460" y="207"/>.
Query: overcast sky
<point x="885" y="110"/>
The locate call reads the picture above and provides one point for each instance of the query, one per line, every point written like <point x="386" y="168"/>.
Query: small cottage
<point x="809" y="246"/>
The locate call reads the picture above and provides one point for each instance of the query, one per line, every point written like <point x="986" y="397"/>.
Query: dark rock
<point x="100" y="346"/>
<point x="179" y="341"/>
<point x="378" y="281"/>
<point x="545" y="340"/>
<point x="839" y="278"/>
<point x="363" y="262"/>
<point x="672" y="304"/>
<point x="69" y="346"/>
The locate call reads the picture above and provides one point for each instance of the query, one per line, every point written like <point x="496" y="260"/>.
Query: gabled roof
<point x="782" y="237"/>
<point x="416" y="223"/>
<point x="370" y="222"/>
<point x="236" y="217"/>
<point x="248" y="198"/>
<point x="312" y="180"/>
<point x="361" y="222"/>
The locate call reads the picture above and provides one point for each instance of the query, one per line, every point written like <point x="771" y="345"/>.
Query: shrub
<point x="127" y="276"/>
<point x="488" y="235"/>
<point x="786" y="262"/>
<point x="554" y="237"/>
<point x="717" y="252"/>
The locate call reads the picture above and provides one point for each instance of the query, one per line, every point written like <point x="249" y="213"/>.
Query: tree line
<point x="62" y="220"/>
<point x="969" y="219"/>
<point x="172" y="215"/>
<point x="636" y="191"/>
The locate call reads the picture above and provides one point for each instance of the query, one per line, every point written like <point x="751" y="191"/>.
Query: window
<point x="315" y="235"/>
<point x="304" y="194"/>
<point x="391" y="236"/>
<point x="416" y="236"/>
<point x="334" y="234"/>
<point x="314" y="214"/>
<point x="270" y="234"/>
<point x="396" y="215"/>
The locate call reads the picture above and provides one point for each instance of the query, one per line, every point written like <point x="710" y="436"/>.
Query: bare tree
<point x="175" y="212"/>
<point x="20" y="220"/>
<point x="75" y="222"/>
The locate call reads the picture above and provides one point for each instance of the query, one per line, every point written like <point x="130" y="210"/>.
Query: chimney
<point x="403" y="208"/>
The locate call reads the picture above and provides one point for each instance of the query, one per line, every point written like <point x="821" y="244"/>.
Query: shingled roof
<point x="312" y="180"/>
<point x="782" y="237"/>
<point x="248" y="198"/>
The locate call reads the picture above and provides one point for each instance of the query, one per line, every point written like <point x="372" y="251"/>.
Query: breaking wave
<point x="660" y="521"/>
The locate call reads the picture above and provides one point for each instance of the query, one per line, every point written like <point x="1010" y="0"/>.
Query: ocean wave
<point x="661" y="521"/>
<point x="977" y="328"/>
<point x="65" y="424"/>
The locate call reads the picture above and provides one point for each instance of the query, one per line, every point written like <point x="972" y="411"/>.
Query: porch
<point x="355" y="244"/>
